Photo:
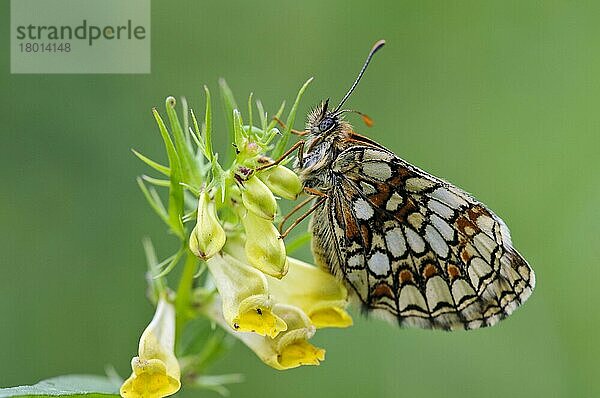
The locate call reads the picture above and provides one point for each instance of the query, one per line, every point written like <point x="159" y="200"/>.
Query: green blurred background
<point x="501" y="98"/>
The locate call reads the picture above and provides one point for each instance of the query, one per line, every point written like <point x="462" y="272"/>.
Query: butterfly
<point x="409" y="246"/>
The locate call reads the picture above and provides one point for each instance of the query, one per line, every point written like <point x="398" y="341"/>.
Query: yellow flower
<point x="264" y="246"/>
<point x="155" y="370"/>
<point x="282" y="181"/>
<point x="318" y="293"/>
<point x="289" y="349"/>
<point x="246" y="305"/>
<point x="258" y="198"/>
<point x="208" y="236"/>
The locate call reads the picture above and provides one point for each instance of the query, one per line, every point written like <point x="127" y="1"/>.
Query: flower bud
<point x="282" y="182"/>
<point x="264" y="246"/>
<point x="208" y="236"/>
<point x="258" y="198"/>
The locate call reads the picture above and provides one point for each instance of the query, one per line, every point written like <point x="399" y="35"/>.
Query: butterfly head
<point x="322" y="121"/>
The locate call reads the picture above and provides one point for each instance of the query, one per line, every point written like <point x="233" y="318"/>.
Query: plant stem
<point x="184" y="294"/>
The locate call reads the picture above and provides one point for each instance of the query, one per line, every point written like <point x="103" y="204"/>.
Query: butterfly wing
<point x="415" y="248"/>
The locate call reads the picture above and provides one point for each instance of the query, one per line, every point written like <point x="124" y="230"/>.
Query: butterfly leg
<point x="296" y="132"/>
<point x="314" y="207"/>
<point x="314" y="192"/>
<point x="293" y="211"/>
<point x="297" y="146"/>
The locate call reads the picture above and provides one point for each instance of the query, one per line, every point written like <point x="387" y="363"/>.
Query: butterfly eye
<point x="326" y="124"/>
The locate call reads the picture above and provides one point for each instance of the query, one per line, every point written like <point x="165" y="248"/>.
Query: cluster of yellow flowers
<point x="271" y="302"/>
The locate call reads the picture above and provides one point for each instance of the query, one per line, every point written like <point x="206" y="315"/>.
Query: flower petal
<point x="318" y="293"/>
<point x="245" y="299"/>
<point x="289" y="349"/>
<point x="156" y="371"/>
<point x="149" y="380"/>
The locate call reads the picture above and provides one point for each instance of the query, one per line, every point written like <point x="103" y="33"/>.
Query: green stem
<point x="184" y="294"/>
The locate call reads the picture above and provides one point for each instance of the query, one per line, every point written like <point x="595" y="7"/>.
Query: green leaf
<point x="273" y="122"/>
<point x="186" y="121"/>
<point x="169" y="263"/>
<point x="152" y="197"/>
<point x="262" y="114"/>
<point x="198" y="138"/>
<point x="282" y="143"/>
<point x="157" y="285"/>
<point x="189" y="170"/>
<point x="208" y="127"/>
<point x="229" y="104"/>
<point x="156" y="166"/>
<point x="156" y="181"/>
<point x="87" y="386"/>
<point x="239" y="133"/>
<point x="175" y="190"/>
<point x="250" y="121"/>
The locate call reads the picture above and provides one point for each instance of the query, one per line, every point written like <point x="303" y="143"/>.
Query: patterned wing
<point x="415" y="247"/>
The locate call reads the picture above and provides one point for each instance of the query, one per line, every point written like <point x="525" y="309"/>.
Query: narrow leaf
<point x="273" y="122"/>
<point x="208" y="127"/>
<point x="229" y="105"/>
<point x="250" y="121"/>
<point x="239" y="133"/>
<point x="157" y="206"/>
<point x="262" y="114"/>
<point x="189" y="171"/>
<point x="156" y="166"/>
<point x="156" y="181"/>
<point x="186" y="121"/>
<point x="170" y="263"/>
<point x="282" y="143"/>
<point x="175" y="190"/>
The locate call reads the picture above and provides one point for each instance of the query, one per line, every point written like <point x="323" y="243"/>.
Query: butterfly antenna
<point x="365" y="118"/>
<point x="376" y="47"/>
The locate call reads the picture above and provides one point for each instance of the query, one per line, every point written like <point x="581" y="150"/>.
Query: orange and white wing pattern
<point x="415" y="248"/>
